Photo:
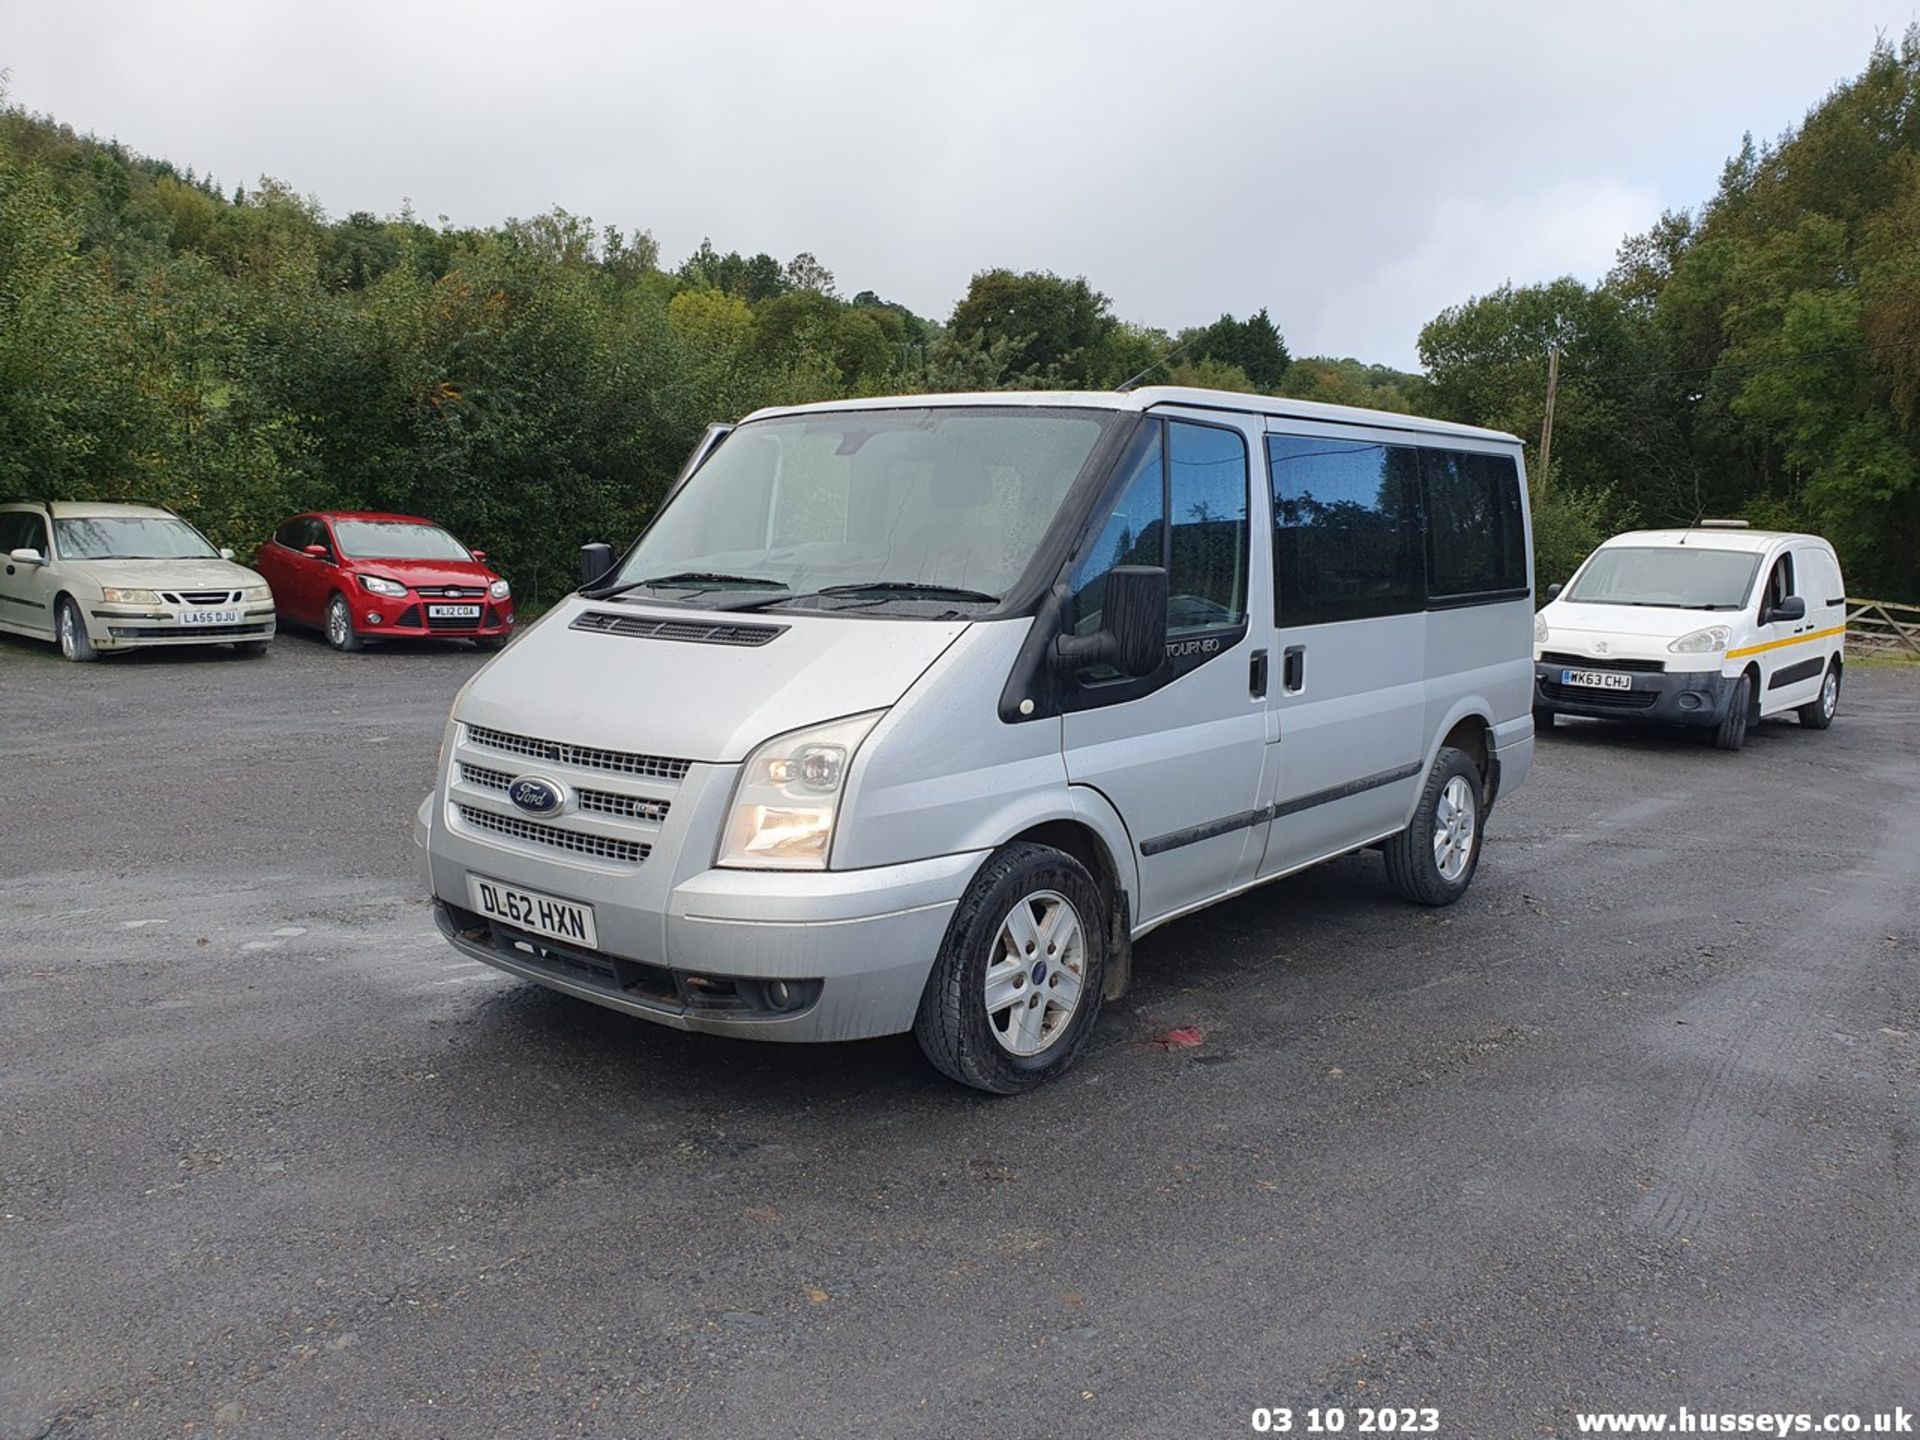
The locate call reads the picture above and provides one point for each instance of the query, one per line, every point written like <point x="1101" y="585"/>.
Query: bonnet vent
<point x="692" y="632"/>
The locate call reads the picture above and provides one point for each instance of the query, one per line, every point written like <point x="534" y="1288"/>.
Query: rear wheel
<point x="1432" y="861"/>
<point x="71" y="631"/>
<point x="1015" y="991"/>
<point x="340" y="624"/>
<point x="1732" y="732"/>
<point x="1818" y="713"/>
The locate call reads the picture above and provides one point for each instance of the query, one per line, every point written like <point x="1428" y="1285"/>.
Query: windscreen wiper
<point x="690" y="580"/>
<point x="878" y="589"/>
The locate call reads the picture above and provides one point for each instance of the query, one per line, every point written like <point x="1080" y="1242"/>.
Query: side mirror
<point x="27" y="555"/>
<point x="1132" y="637"/>
<point x="1794" y="607"/>
<point x="478" y="555"/>
<point x="225" y="553"/>
<point x="1553" y="591"/>
<point x="318" y="552"/>
<point x="595" y="561"/>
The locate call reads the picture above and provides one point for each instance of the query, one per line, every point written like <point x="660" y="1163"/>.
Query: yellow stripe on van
<point x="1745" y="650"/>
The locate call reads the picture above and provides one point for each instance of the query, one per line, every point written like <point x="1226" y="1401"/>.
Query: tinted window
<point x="1477" y="541"/>
<point x="1207" y="541"/>
<point x="1199" y="473"/>
<point x="1347" y="537"/>
<point x="289" y="534"/>
<point x="18" y="531"/>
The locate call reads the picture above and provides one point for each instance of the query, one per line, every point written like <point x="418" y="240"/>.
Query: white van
<point x="916" y="713"/>
<point x="1716" y="626"/>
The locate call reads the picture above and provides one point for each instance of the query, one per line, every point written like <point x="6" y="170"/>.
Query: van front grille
<point x="1599" y="699"/>
<point x="627" y="852"/>
<point x="1602" y="662"/>
<point x="600" y="802"/>
<point x="587" y="757"/>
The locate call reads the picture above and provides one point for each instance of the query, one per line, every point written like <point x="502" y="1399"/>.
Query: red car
<point x="359" y="575"/>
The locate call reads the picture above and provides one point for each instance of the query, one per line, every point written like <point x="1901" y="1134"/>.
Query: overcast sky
<point x="1354" y="168"/>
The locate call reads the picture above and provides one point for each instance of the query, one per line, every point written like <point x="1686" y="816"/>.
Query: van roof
<point x="1149" y="396"/>
<point x="1713" y="538"/>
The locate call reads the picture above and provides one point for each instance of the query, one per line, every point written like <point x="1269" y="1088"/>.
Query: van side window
<point x="1207" y="541"/>
<point x="1779" y="585"/>
<point x="1198" y="474"/>
<point x="1476" y="538"/>
<point x="1348" y="540"/>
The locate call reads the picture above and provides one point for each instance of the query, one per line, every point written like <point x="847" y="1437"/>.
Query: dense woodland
<point x="238" y="355"/>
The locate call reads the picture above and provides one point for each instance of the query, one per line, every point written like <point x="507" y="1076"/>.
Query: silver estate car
<point x="95" y="578"/>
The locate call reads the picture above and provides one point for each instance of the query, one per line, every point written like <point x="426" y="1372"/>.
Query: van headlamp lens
<point x="1702" y="642"/>
<point x="1539" y="629"/>
<point x="788" y="797"/>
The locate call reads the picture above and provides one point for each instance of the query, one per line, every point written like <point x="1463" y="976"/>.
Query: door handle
<point x="1293" y="669"/>
<point x="1257" y="675"/>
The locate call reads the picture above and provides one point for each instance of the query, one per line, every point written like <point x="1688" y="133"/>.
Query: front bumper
<point x="133" y="627"/>
<point x="1676" y="697"/>
<point x="853" y="948"/>
<point x="410" y="617"/>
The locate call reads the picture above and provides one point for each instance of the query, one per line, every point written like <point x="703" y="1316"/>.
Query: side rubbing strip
<point x="1794" y="674"/>
<point x="1246" y="819"/>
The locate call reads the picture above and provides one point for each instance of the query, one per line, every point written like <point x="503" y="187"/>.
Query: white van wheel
<point x="1818" y="713"/>
<point x="1731" y="733"/>
<point x="1432" y="861"/>
<point x="1014" y="993"/>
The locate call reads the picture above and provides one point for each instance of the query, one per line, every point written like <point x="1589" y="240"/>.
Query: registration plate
<point x="1597" y="679"/>
<point x="454" y="612"/>
<point x="530" y="910"/>
<point x="209" y="617"/>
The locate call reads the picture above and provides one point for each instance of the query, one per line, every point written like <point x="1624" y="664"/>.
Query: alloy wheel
<point x="1036" y="973"/>
<point x="1455" y="820"/>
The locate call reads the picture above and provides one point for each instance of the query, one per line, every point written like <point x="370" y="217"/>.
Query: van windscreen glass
<point x="1677" y="577"/>
<point x="944" y="505"/>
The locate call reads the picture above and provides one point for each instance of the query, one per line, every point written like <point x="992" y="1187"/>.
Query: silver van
<point x="916" y="713"/>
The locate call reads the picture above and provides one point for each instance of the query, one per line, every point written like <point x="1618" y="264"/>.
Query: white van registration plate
<point x="209" y="617"/>
<point x="1597" y="679"/>
<point x="530" y="910"/>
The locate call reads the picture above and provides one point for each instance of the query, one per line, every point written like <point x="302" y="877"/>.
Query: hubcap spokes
<point x="1036" y="973"/>
<point x="1454" y="824"/>
<point x="1830" y="693"/>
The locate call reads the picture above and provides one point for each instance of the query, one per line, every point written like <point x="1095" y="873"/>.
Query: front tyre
<point x="1015" y="991"/>
<point x="1731" y="733"/>
<point x="340" y="634"/>
<point x="1432" y="861"/>
<point x="71" y="631"/>
<point x="1818" y="713"/>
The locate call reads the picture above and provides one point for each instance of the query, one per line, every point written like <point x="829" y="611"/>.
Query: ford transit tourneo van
<point x="916" y="713"/>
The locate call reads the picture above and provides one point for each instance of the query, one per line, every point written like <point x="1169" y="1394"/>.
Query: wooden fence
<point x="1881" y="627"/>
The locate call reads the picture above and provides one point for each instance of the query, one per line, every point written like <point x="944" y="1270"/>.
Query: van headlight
<point x="789" y="794"/>
<point x="1702" y="642"/>
<point x="1539" y="628"/>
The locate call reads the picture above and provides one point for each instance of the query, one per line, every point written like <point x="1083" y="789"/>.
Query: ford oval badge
<point x="536" y="796"/>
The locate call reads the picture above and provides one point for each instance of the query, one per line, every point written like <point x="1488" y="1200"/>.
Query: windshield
<point x="396" y="540"/>
<point x="1674" y="576"/>
<point x="937" y="505"/>
<point x="131" y="537"/>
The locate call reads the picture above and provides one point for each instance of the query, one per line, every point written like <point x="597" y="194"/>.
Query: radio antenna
<point x="1131" y="381"/>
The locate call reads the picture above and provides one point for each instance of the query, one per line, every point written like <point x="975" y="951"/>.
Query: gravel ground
<point x="1631" y="1127"/>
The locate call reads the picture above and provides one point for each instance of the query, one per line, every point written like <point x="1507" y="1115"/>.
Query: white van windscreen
<point x="1674" y="577"/>
<point x="952" y="499"/>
